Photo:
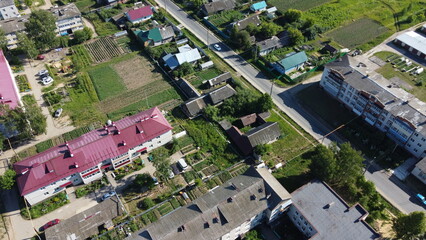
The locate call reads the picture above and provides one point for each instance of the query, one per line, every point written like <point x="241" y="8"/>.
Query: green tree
<point x="144" y="180"/>
<point x="41" y="27"/>
<point x="262" y="149"/>
<point x="3" y="40"/>
<point x="241" y="39"/>
<point x="8" y="179"/>
<point x="323" y="164"/>
<point x="83" y="35"/>
<point x="269" y="29"/>
<point x="349" y="165"/>
<point x="292" y="15"/>
<point x="252" y="235"/>
<point x="63" y="41"/>
<point x="265" y="103"/>
<point x="161" y="161"/>
<point x="2" y="139"/>
<point x="198" y="182"/>
<point x="27" y="45"/>
<point x="183" y="70"/>
<point x="252" y="29"/>
<point x="147" y="203"/>
<point x="295" y="35"/>
<point x="409" y="226"/>
<point x="212" y="112"/>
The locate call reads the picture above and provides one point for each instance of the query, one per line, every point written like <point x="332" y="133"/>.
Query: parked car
<point x="421" y="198"/>
<point x="217" y="47"/>
<point x="49" y="224"/>
<point x="155" y="180"/>
<point x="42" y="72"/>
<point x="171" y="174"/>
<point x="107" y="195"/>
<point x="47" y="80"/>
<point x="40" y="57"/>
<point x="182" y="164"/>
<point x="58" y="112"/>
<point x="175" y="169"/>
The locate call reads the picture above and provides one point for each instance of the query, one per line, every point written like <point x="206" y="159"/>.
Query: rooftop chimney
<point x="154" y="116"/>
<point x="25" y="170"/>
<point x="123" y="143"/>
<point x="329" y="205"/>
<point x="75" y="164"/>
<point x="118" y="130"/>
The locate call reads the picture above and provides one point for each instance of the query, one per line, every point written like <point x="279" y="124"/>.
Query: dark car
<point x="49" y="224"/>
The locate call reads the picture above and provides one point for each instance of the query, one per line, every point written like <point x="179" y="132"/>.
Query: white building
<point x="225" y="212"/>
<point x="11" y="28"/>
<point x="68" y="19"/>
<point x="384" y="106"/>
<point x="8" y="9"/>
<point x="82" y="159"/>
<point x="419" y="170"/>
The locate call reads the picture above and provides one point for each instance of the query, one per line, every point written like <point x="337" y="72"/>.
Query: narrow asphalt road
<point x="285" y="100"/>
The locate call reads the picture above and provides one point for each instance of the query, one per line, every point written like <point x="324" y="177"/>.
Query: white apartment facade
<point x="11" y="27"/>
<point x="393" y="111"/>
<point x="8" y="9"/>
<point x="68" y="19"/>
<point x="82" y="160"/>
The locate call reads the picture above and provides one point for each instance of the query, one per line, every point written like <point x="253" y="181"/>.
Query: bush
<point x="46" y="206"/>
<point x="147" y="203"/>
<point x="183" y="70"/>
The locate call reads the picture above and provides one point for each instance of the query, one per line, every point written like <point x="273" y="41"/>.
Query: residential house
<point x="9" y="93"/>
<point x="329" y="49"/>
<point x="8" y="9"/>
<point x="140" y="14"/>
<point x="259" y="6"/>
<point x="419" y="170"/>
<point x="82" y="159"/>
<point x="206" y="65"/>
<point x="11" y="27"/>
<point x="187" y="88"/>
<point x="273" y="43"/>
<point x="320" y="213"/>
<point x="291" y="63"/>
<point x="186" y="54"/>
<point x="217" y="6"/>
<point x="106" y="2"/>
<point x="413" y="42"/>
<point x="264" y="133"/>
<point x="194" y="106"/>
<point x="389" y="109"/>
<point x="156" y="36"/>
<point x="68" y="19"/>
<point x="225" y="212"/>
<point x="89" y="223"/>
<point x="222" y="78"/>
<point x="242" y="24"/>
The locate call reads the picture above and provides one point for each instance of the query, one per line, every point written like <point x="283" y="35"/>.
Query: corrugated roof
<point x="13" y="25"/>
<point x="188" y="56"/>
<point x="6" y="3"/>
<point x="414" y="40"/>
<point x="65" y="11"/>
<point x="293" y="60"/>
<point x="8" y="89"/>
<point x="259" y="5"/>
<point x="139" y="13"/>
<point x="89" y="150"/>
<point x="152" y="34"/>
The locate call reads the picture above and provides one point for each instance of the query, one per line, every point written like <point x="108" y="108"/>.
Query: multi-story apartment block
<point x="225" y="212"/>
<point x="320" y="213"/>
<point x="11" y="28"/>
<point x="83" y="159"/>
<point x="68" y="19"/>
<point x="8" y="9"/>
<point x="388" y="108"/>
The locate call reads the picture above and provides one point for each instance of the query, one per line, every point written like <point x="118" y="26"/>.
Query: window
<point x="46" y="193"/>
<point x="409" y="145"/>
<point x="423" y="139"/>
<point x="416" y="134"/>
<point x="297" y="213"/>
<point x="412" y="139"/>
<point x="415" y="149"/>
<point x="418" y="144"/>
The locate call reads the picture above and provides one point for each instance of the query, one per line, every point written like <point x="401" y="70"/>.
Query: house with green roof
<point x="155" y="36"/>
<point x="291" y="63"/>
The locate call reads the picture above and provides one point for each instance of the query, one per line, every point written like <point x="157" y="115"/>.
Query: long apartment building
<point x="8" y="9"/>
<point x="226" y="212"/>
<point x="11" y="28"/>
<point x="82" y="160"/>
<point x="68" y="19"/>
<point x="379" y="102"/>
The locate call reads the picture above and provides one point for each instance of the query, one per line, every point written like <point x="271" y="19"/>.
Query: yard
<point x="200" y="76"/>
<point x="106" y="81"/>
<point x="358" y="32"/>
<point x="302" y="5"/>
<point x="223" y="19"/>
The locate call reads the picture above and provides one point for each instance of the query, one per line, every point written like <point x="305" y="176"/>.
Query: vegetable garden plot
<point x="104" y="49"/>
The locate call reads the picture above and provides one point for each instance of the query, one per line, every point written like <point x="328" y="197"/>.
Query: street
<point x="285" y="100"/>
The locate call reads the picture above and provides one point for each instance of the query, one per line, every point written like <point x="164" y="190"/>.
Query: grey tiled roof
<point x="85" y="224"/>
<point x="217" y="6"/>
<point x="6" y="3"/>
<point x="194" y="106"/>
<point x="338" y="221"/>
<point x="242" y="24"/>
<point x="219" y="79"/>
<point x="65" y="11"/>
<point x="274" y="42"/>
<point x="220" y="94"/>
<point x="198" y="217"/>
<point x="263" y="134"/>
<point x="167" y="32"/>
<point x="13" y="25"/>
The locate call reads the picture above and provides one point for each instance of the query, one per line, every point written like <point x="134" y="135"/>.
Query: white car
<point x="58" y="112"/>
<point x="217" y="47"/>
<point x="47" y="80"/>
<point x="42" y="72"/>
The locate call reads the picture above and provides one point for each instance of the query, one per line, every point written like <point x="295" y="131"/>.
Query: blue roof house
<point x="291" y="63"/>
<point x="258" y="7"/>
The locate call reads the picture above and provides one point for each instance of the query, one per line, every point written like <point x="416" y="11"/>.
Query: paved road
<point x="284" y="99"/>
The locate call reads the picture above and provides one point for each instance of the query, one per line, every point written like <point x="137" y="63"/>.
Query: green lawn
<point x="107" y="82"/>
<point x="384" y="55"/>
<point x="295" y="173"/>
<point x="303" y="5"/>
<point x="208" y="73"/>
<point x="358" y="32"/>
<point x="221" y="20"/>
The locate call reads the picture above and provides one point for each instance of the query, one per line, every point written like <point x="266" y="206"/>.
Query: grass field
<point x="303" y="5"/>
<point x="221" y="20"/>
<point x="358" y="32"/>
<point x="107" y="82"/>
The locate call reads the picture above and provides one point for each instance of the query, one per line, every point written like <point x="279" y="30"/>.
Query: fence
<point x="217" y="30"/>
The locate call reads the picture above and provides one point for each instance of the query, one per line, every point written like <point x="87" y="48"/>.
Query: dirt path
<point x="89" y="25"/>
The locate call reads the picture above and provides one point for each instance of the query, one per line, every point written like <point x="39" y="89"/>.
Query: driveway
<point x="283" y="98"/>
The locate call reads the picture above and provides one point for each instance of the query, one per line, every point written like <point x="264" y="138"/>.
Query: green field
<point x="296" y="4"/>
<point x="357" y="33"/>
<point x="107" y="82"/>
<point x="221" y="20"/>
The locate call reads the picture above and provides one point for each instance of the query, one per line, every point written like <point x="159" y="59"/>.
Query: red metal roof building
<point x="9" y="93"/>
<point x="140" y="14"/>
<point x="82" y="159"/>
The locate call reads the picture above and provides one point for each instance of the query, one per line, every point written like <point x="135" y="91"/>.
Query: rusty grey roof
<point x="242" y="24"/>
<point x="217" y="6"/>
<point x="220" y="94"/>
<point x="263" y="134"/>
<point x="219" y="79"/>
<point x="13" y="25"/>
<point x="6" y="3"/>
<point x="65" y="11"/>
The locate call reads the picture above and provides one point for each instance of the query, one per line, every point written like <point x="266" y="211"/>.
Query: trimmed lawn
<point x="107" y="82"/>
<point x="302" y="5"/>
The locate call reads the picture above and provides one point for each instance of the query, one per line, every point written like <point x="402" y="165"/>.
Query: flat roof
<point x="330" y="215"/>
<point x="9" y="94"/>
<point x="414" y="40"/>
